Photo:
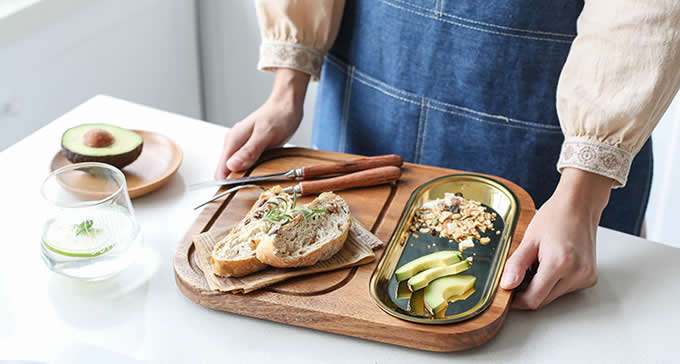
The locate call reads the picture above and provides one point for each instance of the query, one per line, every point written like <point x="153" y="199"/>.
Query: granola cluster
<point x="454" y="217"/>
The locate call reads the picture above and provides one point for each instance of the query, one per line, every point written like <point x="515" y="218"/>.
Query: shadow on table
<point x="620" y="289"/>
<point x="105" y="303"/>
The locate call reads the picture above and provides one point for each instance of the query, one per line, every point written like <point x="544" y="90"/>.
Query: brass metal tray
<point x="487" y="262"/>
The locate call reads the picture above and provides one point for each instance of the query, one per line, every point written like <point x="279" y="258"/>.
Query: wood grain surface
<point x="339" y="301"/>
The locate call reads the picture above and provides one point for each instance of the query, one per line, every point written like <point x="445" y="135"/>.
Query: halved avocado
<point x="422" y="279"/>
<point x="101" y="143"/>
<point x="438" y="292"/>
<point x="438" y="259"/>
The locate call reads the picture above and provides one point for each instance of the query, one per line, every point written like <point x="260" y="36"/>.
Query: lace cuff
<point x="591" y="156"/>
<point x="290" y="55"/>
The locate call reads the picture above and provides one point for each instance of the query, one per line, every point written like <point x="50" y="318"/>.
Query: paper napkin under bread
<point x="358" y="250"/>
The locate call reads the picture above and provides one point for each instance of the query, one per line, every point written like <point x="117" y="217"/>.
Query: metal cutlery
<point x="308" y="172"/>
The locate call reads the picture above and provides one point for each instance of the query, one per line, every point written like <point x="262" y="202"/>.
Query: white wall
<point x="59" y="53"/>
<point x="233" y="86"/>
<point x="663" y="214"/>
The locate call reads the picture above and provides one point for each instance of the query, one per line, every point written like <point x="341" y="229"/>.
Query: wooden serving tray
<point x="339" y="301"/>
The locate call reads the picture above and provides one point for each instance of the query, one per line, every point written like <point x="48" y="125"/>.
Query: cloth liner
<point x="357" y="250"/>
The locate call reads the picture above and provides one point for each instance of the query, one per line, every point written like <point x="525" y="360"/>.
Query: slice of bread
<point x="305" y="241"/>
<point x="234" y="256"/>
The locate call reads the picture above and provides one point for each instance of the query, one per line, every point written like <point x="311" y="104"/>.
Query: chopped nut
<point x="467" y="243"/>
<point x="485" y="240"/>
<point x="467" y="220"/>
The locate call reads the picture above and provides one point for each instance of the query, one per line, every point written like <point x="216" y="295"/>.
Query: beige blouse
<point x="621" y="74"/>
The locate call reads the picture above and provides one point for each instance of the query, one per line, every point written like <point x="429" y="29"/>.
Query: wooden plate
<point x="160" y="159"/>
<point x="340" y="301"/>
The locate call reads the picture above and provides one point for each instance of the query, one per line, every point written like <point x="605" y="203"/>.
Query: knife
<point x="311" y="171"/>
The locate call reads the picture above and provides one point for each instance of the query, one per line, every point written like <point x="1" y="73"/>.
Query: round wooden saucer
<point x="160" y="159"/>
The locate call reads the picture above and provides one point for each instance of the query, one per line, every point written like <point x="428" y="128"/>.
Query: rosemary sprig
<point x="85" y="227"/>
<point x="283" y="214"/>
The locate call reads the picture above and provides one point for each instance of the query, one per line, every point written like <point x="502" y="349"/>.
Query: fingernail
<point x="508" y="280"/>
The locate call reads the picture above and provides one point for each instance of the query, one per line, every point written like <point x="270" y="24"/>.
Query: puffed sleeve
<point x="297" y="33"/>
<point x="620" y="76"/>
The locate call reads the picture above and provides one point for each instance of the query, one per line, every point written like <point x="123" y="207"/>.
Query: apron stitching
<point x="358" y="75"/>
<point x="331" y="60"/>
<point x="424" y="136"/>
<point x="501" y="117"/>
<point x="418" y="139"/>
<point x="476" y="28"/>
<point x="442" y="13"/>
<point x="387" y="93"/>
<point x="453" y="112"/>
<point x="493" y="122"/>
<point x="345" y="109"/>
<point x="441" y="9"/>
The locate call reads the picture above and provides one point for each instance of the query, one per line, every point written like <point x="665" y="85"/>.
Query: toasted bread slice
<point x="305" y="241"/>
<point x="234" y="256"/>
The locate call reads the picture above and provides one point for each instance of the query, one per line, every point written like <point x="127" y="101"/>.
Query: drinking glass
<point x="91" y="232"/>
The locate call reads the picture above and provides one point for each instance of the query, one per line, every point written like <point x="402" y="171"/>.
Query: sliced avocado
<point x="416" y="304"/>
<point x="438" y="259"/>
<point x="403" y="291"/>
<point x="422" y="279"/>
<point x="101" y="143"/>
<point x="438" y="292"/>
<point x="442" y="314"/>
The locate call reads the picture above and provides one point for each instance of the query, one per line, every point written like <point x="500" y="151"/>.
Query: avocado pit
<point x="98" y="138"/>
<point x="102" y="143"/>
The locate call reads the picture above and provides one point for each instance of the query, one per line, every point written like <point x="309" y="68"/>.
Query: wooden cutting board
<point x="339" y="301"/>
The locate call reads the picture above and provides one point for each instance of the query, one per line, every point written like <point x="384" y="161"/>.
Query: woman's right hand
<point x="269" y="126"/>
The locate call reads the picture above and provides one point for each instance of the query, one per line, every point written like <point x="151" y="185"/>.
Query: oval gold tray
<point x="487" y="262"/>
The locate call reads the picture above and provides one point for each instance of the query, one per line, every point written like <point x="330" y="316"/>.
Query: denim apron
<point x="461" y="84"/>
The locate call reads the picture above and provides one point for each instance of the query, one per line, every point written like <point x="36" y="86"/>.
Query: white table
<point x="632" y="315"/>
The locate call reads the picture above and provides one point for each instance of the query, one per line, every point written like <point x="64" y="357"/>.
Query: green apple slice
<point x="438" y="292"/>
<point x="422" y="279"/>
<point x="438" y="259"/>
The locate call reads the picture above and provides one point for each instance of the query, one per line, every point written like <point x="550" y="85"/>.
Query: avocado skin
<point x="126" y="147"/>
<point x="119" y="161"/>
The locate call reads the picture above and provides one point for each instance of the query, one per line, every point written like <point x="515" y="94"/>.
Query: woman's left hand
<point x="562" y="238"/>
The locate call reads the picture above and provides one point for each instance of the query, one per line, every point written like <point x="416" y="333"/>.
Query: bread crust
<point x="265" y="251"/>
<point x="237" y="267"/>
<point x="240" y="266"/>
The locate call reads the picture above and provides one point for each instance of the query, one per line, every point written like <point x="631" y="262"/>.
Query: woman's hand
<point x="269" y="126"/>
<point x="562" y="238"/>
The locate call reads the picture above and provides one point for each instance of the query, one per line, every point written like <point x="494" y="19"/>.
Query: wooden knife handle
<point x="352" y="166"/>
<point x="369" y="177"/>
